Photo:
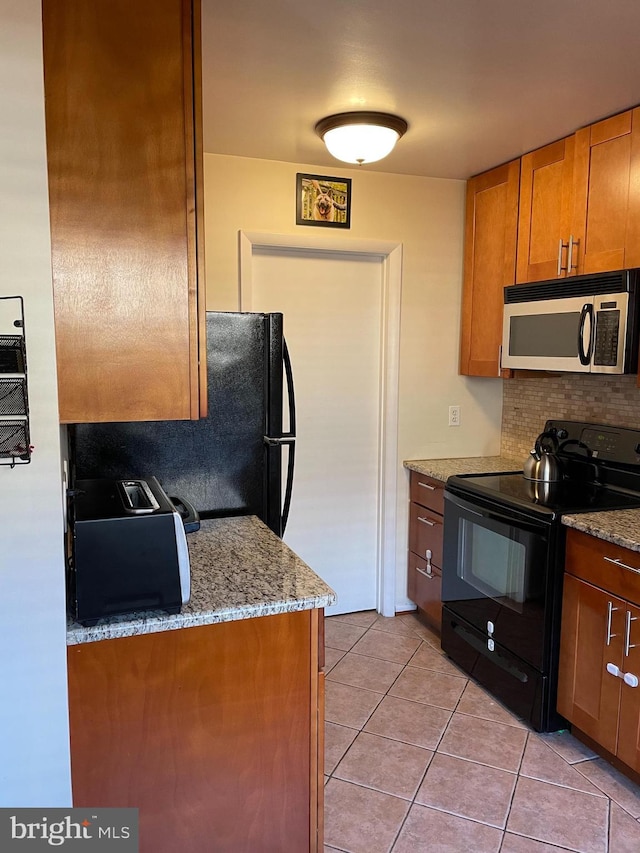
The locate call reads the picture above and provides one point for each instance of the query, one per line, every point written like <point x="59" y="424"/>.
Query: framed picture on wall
<point x="323" y="201"/>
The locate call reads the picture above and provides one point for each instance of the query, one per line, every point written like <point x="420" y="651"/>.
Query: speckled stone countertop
<point x="239" y="569"/>
<point x="622" y="526"/>
<point x="442" y="469"/>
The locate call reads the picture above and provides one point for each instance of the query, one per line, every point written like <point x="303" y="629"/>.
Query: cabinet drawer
<point x="425" y="533"/>
<point x="604" y="565"/>
<point x="427" y="492"/>
<point x="425" y="589"/>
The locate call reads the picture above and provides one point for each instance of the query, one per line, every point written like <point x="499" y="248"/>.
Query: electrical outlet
<point x="454" y="415"/>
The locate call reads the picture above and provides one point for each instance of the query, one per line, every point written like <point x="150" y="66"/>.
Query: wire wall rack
<point x="15" y="432"/>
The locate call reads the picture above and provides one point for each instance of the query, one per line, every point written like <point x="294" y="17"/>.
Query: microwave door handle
<point x="587" y="311"/>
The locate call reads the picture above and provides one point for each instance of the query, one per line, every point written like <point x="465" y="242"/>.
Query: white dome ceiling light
<point x="361" y="137"/>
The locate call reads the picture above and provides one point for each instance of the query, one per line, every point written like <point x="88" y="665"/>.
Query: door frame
<point x="390" y="254"/>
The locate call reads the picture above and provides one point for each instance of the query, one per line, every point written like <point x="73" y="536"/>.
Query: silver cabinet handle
<point x="427" y="486"/>
<point x="425" y="574"/>
<point x="500" y="360"/>
<point x="627" y="634"/>
<point x="610" y="609"/>
<point x="561" y="246"/>
<point x="618" y="562"/>
<point x="426" y="521"/>
<point x="570" y="264"/>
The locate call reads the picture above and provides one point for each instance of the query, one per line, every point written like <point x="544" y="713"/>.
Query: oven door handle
<point x="493" y="515"/>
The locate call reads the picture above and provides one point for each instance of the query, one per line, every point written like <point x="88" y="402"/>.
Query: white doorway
<point x="341" y="314"/>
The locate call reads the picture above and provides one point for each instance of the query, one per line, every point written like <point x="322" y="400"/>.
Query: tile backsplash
<point x="527" y="403"/>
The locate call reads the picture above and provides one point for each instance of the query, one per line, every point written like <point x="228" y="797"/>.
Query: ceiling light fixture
<point x="361" y="137"/>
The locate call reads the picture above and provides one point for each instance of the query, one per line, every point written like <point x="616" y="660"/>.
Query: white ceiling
<point x="479" y="81"/>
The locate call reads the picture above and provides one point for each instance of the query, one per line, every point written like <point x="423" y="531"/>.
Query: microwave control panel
<point x="607" y="330"/>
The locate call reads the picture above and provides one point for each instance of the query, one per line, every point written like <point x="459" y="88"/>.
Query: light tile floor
<point x="419" y="758"/>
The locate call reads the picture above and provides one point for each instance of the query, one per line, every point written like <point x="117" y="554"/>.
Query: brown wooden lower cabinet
<point x="424" y="576"/>
<point x="599" y="677"/>
<point x="214" y="733"/>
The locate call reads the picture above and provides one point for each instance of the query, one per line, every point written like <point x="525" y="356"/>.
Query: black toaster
<point x="128" y="550"/>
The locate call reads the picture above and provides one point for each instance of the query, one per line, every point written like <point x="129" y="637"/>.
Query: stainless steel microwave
<point x="581" y="324"/>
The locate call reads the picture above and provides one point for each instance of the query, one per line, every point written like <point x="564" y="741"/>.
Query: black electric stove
<point x="503" y="562"/>
<point x="567" y="497"/>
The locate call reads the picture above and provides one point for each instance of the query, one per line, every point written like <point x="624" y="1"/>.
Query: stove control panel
<point x="601" y="442"/>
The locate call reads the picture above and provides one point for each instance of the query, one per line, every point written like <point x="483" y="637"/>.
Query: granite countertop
<point x="239" y="569"/>
<point x="620" y="526"/>
<point x="442" y="469"/>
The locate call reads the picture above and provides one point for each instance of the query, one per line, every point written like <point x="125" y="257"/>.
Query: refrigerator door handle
<point x="290" y="389"/>
<point x="289" y="487"/>
<point x="289" y="438"/>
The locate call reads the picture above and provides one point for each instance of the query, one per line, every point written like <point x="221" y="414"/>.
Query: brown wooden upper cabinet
<point x="122" y="97"/>
<point x="544" y="219"/>
<point x="606" y="214"/>
<point x="580" y="202"/>
<point x="489" y="265"/>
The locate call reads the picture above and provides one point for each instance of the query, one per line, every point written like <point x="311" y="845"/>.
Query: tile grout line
<point x="415" y="634"/>
<point x="424" y="775"/>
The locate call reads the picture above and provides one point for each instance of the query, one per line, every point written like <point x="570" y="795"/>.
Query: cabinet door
<point x="211" y="732"/>
<point x="591" y="637"/>
<point x="606" y="216"/>
<point x="545" y="211"/>
<point x="124" y="163"/>
<point x="629" y="723"/>
<point x="424" y="588"/>
<point x="489" y="265"/>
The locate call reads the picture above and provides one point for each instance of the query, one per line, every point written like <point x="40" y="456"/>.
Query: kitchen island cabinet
<point x="124" y="154"/>
<point x="209" y="722"/>
<point x="599" y="676"/>
<point x="489" y="265"/>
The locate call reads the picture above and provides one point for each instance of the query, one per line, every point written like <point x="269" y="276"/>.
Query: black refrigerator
<point x="231" y="462"/>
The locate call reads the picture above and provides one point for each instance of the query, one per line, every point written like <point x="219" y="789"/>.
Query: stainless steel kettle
<point x="542" y="464"/>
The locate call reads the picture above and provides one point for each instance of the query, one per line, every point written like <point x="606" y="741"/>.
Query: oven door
<point x="496" y="575"/>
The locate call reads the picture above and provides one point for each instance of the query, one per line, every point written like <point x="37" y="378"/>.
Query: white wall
<point x="34" y="739"/>
<point x="426" y="216"/>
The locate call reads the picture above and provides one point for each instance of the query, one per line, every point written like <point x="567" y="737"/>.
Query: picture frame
<point x="323" y="201"/>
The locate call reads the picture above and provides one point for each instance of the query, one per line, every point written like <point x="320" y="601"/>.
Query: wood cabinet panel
<point x="427" y="492"/>
<point x="599" y="678"/>
<point x="424" y="587"/>
<point x="212" y="732"/>
<point x="424" y="575"/>
<point x="606" y="158"/>
<point x="588" y="695"/>
<point x="489" y="265"/>
<point x="124" y="163"/>
<point x="593" y="559"/>
<point x="545" y="210"/>
<point x="629" y="720"/>
<point x="426" y="533"/>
